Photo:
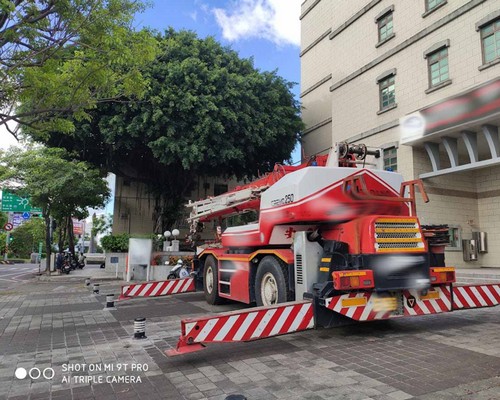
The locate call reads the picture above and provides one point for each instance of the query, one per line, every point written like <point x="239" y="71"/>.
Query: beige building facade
<point x="134" y="206"/>
<point x="420" y="79"/>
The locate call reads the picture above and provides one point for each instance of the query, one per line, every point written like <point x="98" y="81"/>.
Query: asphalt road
<point x="11" y="275"/>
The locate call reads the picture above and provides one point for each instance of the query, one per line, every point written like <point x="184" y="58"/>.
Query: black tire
<point x="211" y="281"/>
<point x="271" y="282"/>
<point x="171" y="276"/>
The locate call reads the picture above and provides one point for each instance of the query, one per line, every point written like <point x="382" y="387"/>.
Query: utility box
<point x="480" y="238"/>
<point x="307" y="257"/>
<point x="469" y="249"/>
<point x="139" y="257"/>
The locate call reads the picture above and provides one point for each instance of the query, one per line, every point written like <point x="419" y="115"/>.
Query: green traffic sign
<point x="14" y="203"/>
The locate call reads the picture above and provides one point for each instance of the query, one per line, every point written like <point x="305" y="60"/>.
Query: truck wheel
<point x="271" y="282"/>
<point x="211" y="281"/>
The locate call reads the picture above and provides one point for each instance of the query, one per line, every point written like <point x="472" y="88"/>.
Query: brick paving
<point x="61" y="324"/>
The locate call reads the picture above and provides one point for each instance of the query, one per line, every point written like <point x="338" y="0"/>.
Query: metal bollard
<point x="110" y="302"/>
<point x="96" y="288"/>
<point x="140" y="328"/>
<point x="87" y="281"/>
<point x="235" y="397"/>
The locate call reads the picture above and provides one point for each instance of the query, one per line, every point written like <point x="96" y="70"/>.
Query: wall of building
<point x="362" y="92"/>
<point x="316" y="76"/>
<point x="469" y="200"/>
<point x="488" y="185"/>
<point x="134" y="206"/>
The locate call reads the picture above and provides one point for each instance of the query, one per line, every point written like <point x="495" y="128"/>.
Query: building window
<point x="391" y="159"/>
<point x="385" y="27"/>
<point x="432" y="4"/>
<point x="387" y="89"/>
<point x="438" y="67"/>
<point x="490" y="41"/>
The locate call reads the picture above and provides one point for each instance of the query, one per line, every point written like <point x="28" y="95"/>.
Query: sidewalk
<point x="60" y="327"/>
<point x="92" y="271"/>
<point x="477" y="275"/>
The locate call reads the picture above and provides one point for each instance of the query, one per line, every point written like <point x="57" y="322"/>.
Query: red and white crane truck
<point x="337" y="238"/>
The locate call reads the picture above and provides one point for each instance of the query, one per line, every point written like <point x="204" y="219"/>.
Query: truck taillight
<point x="348" y="280"/>
<point x="442" y="275"/>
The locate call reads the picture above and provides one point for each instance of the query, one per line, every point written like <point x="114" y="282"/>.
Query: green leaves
<point x="205" y="111"/>
<point x="115" y="243"/>
<point x="60" y="186"/>
<point x="60" y="59"/>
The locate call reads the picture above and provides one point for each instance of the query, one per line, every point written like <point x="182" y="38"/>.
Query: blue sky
<point x="267" y="30"/>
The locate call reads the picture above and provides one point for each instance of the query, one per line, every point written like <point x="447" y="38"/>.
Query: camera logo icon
<point x="34" y="373"/>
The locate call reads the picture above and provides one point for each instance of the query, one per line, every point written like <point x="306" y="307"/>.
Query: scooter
<point x="66" y="267"/>
<point x="179" y="271"/>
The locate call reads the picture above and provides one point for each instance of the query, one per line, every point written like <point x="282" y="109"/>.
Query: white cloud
<point x="194" y="16"/>
<point x="274" y="20"/>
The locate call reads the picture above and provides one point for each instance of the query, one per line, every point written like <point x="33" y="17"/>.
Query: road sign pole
<point x="5" y="258"/>
<point x="7" y="239"/>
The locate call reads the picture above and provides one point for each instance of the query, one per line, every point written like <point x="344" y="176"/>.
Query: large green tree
<point x="25" y="238"/>
<point x="206" y="112"/>
<point x="62" y="187"/>
<point x="60" y="58"/>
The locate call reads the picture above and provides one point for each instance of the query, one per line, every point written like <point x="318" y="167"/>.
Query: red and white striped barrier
<point x="240" y="326"/>
<point x="475" y="296"/>
<point x="435" y="301"/>
<point x="368" y="306"/>
<point x="157" y="288"/>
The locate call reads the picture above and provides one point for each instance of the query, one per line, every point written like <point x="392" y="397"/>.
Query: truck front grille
<point x="394" y="234"/>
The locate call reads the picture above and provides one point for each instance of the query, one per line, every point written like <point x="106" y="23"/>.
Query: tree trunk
<point x="93" y="233"/>
<point x="47" y="240"/>
<point x="71" y="236"/>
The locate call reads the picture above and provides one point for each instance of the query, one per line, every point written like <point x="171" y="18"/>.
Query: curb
<point x="60" y="278"/>
<point x="7" y="262"/>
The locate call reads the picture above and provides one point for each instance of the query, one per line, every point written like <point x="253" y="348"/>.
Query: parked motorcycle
<point x="179" y="271"/>
<point x="66" y="267"/>
<point x="72" y="263"/>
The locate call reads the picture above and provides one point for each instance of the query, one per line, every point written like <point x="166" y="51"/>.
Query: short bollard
<point x="87" y="281"/>
<point x="140" y="328"/>
<point x="110" y="302"/>
<point x="96" y="288"/>
<point x="235" y="397"/>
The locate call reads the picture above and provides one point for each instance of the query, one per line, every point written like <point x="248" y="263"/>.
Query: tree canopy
<point x="62" y="187"/>
<point x="25" y="238"/>
<point x="206" y="112"/>
<point x="59" y="59"/>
